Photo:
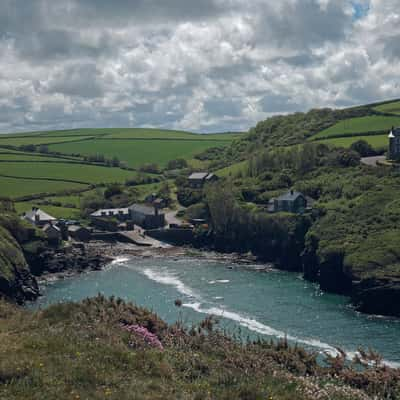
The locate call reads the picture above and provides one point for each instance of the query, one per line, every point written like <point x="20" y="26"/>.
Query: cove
<point x="249" y="303"/>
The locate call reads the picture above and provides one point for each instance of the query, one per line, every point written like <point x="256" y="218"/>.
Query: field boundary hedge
<point x="348" y="135"/>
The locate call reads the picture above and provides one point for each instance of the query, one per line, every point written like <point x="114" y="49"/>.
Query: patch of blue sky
<point x="360" y="9"/>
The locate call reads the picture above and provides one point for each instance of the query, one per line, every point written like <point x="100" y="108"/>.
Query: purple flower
<point x="150" y="338"/>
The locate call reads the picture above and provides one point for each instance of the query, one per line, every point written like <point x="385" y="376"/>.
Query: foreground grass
<point x="81" y="351"/>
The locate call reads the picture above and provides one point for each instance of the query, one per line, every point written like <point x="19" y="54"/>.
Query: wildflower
<point x="150" y="338"/>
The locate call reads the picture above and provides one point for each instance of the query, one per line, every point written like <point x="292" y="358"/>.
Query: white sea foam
<point x="167" y="278"/>
<point x="218" y="298"/>
<point x="223" y="281"/>
<point x="120" y="260"/>
<point x="258" y="327"/>
<point x="212" y="282"/>
<point x="171" y="280"/>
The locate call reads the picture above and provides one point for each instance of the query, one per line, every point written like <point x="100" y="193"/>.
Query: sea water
<point x="247" y="302"/>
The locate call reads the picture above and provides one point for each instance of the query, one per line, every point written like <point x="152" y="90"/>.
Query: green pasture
<point x="11" y="187"/>
<point x="65" y="171"/>
<point x="58" y="212"/>
<point x="391" y="108"/>
<point x="139" y="152"/>
<point x="376" y="141"/>
<point x="36" y="140"/>
<point x="359" y="125"/>
<point x="27" y="157"/>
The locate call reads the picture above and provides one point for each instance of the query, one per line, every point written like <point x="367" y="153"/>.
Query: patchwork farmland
<point x="41" y="167"/>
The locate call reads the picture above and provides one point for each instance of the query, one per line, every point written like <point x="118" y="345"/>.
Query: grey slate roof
<point x="290" y="196"/>
<point x="75" y="228"/>
<point x="199" y="175"/>
<point x="43" y="217"/>
<point x="49" y="226"/>
<point x="143" y="209"/>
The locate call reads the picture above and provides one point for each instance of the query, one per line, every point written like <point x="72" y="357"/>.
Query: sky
<point x="197" y="65"/>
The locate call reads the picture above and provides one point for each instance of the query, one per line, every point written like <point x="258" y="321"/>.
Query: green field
<point x="28" y="157"/>
<point x="41" y="173"/>
<point x="37" y="140"/>
<point x="10" y="187"/>
<point x="57" y="212"/>
<point x="139" y="152"/>
<point x="377" y="141"/>
<point x="359" y="125"/>
<point x="65" y="172"/>
<point x="391" y="108"/>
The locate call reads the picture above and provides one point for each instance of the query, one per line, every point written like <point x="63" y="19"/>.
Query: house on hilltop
<point x="198" y="179"/>
<point x="394" y="144"/>
<point x="38" y="217"/>
<point x="147" y="217"/>
<point x="292" y="201"/>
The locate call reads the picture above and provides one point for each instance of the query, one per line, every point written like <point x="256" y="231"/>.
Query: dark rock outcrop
<point x="377" y="296"/>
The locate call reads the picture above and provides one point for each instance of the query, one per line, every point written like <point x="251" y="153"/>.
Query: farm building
<point x="147" y="217"/>
<point x="156" y="201"/>
<point x="53" y="233"/>
<point x="199" y="179"/>
<point x="394" y="144"/>
<point x="292" y="201"/>
<point x="38" y="217"/>
<point x="120" y="213"/>
<point x="79" y="233"/>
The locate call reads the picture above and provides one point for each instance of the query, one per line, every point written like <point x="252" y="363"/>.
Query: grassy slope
<point x="65" y="171"/>
<point x="138" y="152"/>
<point x="392" y="108"/>
<point x="11" y="187"/>
<point x="80" y="351"/>
<point x="378" y="141"/>
<point x="360" y="125"/>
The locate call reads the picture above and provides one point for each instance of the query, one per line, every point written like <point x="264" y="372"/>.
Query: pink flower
<point x="150" y="338"/>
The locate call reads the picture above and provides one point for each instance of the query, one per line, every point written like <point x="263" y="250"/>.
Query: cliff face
<point x="16" y="280"/>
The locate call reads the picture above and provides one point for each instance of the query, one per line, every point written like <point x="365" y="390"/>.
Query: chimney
<point x="37" y="218"/>
<point x="291" y="192"/>
<point x="156" y="211"/>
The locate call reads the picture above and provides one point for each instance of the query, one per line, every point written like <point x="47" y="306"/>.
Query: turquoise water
<point x="249" y="302"/>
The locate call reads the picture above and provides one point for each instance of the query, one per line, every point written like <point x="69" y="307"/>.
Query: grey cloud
<point x="82" y="80"/>
<point x="223" y="107"/>
<point x="60" y="44"/>
<point x="206" y="65"/>
<point x="277" y="103"/>
<point x="392" y="47"/>
<point x="304" y="24"/>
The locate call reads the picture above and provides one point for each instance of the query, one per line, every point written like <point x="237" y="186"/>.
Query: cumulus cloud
<point x="208" y="65"/>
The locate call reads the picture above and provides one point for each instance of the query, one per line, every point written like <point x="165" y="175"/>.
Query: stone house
<point x="198" y="179"/>
<point x="38" y="217"/>
<point x="147" y="217"/>
<point x="53" y="233"/>
<point x="394" y="144"/>
<point x="79" y="233"/>
<point x="292" y="201"/>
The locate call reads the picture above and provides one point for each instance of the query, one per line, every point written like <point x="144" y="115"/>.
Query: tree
<point x="363" y="148"/>
<point x="179" y="163"/>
